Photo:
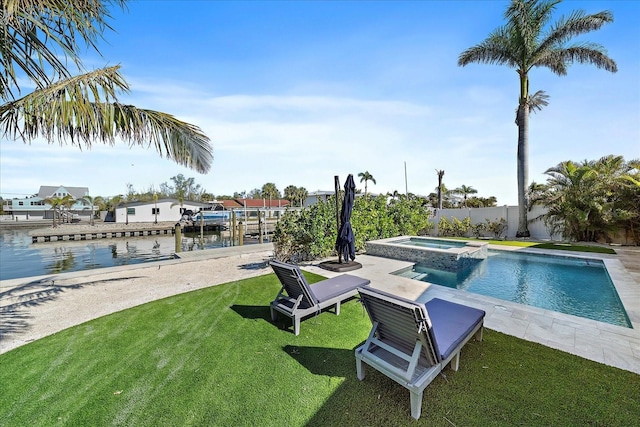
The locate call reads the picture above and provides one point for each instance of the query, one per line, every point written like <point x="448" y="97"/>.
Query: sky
<point x="297" y="92"/>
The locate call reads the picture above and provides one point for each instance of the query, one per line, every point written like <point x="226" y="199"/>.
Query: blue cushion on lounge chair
<point x="405" y="336"/>
<point x="451" y="323"/>
<point x="297" y="299"/>
<point x="336" y="286"/>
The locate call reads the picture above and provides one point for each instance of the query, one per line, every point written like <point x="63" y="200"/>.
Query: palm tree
<point x="270" y="191"/>
<point x="440" y="186"/>
<point x="55" y="202"/>
<point x="366" y="176"/>
<point x="301" y="195"/>
<point x="90" y="201"/>
<point x="465" y="191"/>
<point x="290" y="193"/>
<point x="590" y="200"/>
<point x="526" y="41"/>
<point x="79" y="109"/>
<point x="67" y="203"/>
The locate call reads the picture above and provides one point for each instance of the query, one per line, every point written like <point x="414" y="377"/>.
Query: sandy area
<point x="35" y="307"/>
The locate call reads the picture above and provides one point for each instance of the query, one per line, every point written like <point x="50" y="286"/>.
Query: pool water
<point x="432" y="243"/>
<point x="577" y="286"/>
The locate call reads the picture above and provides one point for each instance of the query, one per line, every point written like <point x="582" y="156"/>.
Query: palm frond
<point x="588" y="53"/>
<point x="495" y="49"/>
<point x="84" y="110"/>
<point x="576" y="24"/>
<point x="552" y="50"/>
<point x="536" y="102"/>
<point x="35" y="33"/>
<point x="174" y="139"/>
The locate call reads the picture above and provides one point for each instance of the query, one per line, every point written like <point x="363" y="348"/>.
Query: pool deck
<point x="598" y="341"/>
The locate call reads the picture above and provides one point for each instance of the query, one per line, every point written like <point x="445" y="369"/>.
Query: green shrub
<point x="496" y="227"/>
<point x="306" y="234"/>
<point x="478" y="229"/>
<point x="444" y="227"/>
<point x="310" y="233"/>
<point x="460" y="228"/>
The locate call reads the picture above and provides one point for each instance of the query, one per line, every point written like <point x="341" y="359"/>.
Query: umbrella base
<point x="340" y="267"/>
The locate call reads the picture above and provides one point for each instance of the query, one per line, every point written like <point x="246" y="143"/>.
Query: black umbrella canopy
<point x="345" y="243"/>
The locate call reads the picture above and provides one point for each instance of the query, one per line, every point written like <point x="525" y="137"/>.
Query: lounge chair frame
<point x="297" y="299"/>
<point x="402" y="343"/>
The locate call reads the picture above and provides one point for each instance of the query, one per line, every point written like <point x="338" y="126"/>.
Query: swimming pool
<point x="571" y="285"/>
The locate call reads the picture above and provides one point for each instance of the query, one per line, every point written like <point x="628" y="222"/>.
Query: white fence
<point x="509" y="213"/>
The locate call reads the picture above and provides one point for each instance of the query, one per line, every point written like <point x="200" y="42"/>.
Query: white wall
<point x="510" y="213"/>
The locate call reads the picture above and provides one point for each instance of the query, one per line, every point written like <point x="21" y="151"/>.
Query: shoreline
<point x="38" y="306"/>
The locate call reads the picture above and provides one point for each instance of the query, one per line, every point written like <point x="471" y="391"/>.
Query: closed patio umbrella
<point x="345" y="243"/>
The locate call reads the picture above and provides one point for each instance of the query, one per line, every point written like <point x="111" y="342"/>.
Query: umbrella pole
<point x="336" y="182"/>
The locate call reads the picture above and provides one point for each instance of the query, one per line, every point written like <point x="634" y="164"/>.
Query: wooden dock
<point x="75" y="235"/>
<point x="104" y="231"/>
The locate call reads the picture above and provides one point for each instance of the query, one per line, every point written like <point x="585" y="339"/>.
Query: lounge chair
<point x="297" y="299"/>
<point x="412" y="342"/>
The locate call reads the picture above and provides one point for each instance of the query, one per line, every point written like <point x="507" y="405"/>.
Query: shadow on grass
<point x="253" y="311"/>
<point x="331" y="362"/>
<point x="352" y="400"/>
<point x="261" y="312"/>
<point x="15" y="301"/>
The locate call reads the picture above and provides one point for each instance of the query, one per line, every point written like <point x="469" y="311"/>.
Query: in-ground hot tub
<point x="441" y="254"/>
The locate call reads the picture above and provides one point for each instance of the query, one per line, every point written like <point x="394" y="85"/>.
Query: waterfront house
<point x="35" y="207"/>
<point x="163" y="210"/>
<point x="173" y="210"/>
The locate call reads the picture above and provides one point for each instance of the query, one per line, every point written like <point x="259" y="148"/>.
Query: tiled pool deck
<point x="602" y="342"/>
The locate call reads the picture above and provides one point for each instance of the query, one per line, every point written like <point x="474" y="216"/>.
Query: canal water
<point x="19" y="257"/>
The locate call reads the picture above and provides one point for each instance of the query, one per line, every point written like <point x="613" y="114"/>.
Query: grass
<point x="213" y="357"/>
<point x="573" y="247"/>
<point x="549" y="245"/>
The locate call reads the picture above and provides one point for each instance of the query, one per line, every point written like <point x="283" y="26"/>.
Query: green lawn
<point x="213" y="357"/>
<point x="548" y="245"/>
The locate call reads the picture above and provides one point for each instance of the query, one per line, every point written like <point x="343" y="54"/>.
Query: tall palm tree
<point x="464" y="191"/>
<point x="79" y="109"/>
<point x="366" y="176"/>
<point x="527" y="40"/>
<point x="440" y="185"/>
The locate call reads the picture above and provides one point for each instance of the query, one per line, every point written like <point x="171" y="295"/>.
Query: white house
<point x="314" y="197"/>
<point x="35" y="207"/>
<point x="161" y="211"/>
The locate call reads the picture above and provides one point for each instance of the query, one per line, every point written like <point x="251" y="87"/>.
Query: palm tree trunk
<point x="523" y="168"/>
<point x="440" y="175"/>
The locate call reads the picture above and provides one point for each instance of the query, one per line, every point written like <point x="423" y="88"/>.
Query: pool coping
<point x="601" y="342"/>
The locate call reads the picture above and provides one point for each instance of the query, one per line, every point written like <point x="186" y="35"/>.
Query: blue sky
<point x="296" y="92"/>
